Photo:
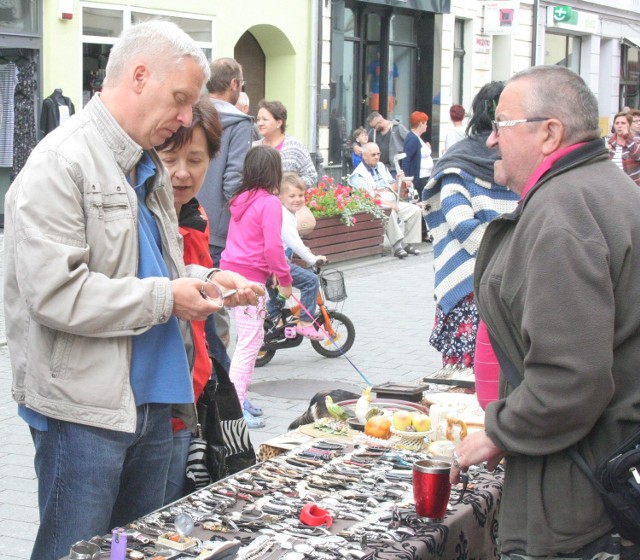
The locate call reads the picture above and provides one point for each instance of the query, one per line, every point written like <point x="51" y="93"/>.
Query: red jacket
<point x="194" y="227"/>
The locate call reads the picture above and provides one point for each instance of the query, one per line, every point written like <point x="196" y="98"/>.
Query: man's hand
<point x="247" y="292"/>
<point x="188" y="301"/>
<point x="475" y="449"/>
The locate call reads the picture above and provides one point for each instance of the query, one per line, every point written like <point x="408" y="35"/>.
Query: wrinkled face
<point x="267" y="124"/>
<point x="292" y="198"/>
<point x="520" y="146"/>
<point x="166" y="100"/>
<point x="635" y="125"/>
<point x="621" y="126"/>
<point x="372" y="156"/>
<point x="187" y="167"/>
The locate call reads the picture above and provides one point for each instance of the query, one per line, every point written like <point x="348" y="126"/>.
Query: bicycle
<point x="280" y="331"/>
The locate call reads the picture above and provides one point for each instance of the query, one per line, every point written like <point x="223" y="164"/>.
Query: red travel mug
<point x="431" y="488"/>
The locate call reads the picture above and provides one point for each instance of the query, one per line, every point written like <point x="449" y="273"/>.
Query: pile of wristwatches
<point x="351" y="499"/>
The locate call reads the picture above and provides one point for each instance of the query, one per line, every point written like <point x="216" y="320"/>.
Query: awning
<point x="437" y="6"/>
<point x="632" y="42"/>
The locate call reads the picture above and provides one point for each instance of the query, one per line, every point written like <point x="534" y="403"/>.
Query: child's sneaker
<point x="252" y="408"/>
<point x="253" y="421"/>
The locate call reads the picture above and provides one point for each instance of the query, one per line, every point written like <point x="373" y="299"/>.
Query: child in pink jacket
<point x="254" y="249"/>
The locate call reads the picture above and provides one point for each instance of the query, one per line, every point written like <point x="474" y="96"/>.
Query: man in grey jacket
<point x="95" y="288"/>
<point x="224" y="175"/>
<point x="558" y="283"/>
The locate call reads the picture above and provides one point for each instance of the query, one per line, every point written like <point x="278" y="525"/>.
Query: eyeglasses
<point x="497" y="125"/>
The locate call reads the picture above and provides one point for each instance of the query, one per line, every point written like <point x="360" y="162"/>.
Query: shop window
<point x="563" y="50"/>
<point x="402" y="29"/>
<point x="19" y="17"/>
<point x="97" y="22"/>
<point x="101" y="28"/>
<point x="629" y="77"/>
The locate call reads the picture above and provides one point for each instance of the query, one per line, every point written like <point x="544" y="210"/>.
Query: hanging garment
<point x="24" y="136"/>
<point x="55" y="110"/>
<point x="8" y="82"/>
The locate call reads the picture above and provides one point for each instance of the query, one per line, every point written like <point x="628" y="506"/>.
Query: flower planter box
<point x="338" y="242"/>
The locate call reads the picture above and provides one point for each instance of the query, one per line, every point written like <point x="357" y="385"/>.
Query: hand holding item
<point x="247" y="292"/>
<point x="431" y="488"/>
<point x="475" y="449"/>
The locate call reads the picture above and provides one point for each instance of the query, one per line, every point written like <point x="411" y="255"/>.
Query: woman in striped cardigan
<point x="461" y="199"/>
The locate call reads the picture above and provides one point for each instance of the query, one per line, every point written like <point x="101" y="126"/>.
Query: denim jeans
<point x="176" y="477"/>
<point x="91" y="479"/>
<point x="308" y="284"/>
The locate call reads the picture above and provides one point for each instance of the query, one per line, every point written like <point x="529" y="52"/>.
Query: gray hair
<point x="373" y="115"/>
<point x="558" y="92"/>
<point x="243" y="99"/>
<point x="161" y="43"/>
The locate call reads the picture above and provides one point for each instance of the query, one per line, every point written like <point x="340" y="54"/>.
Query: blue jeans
<point x="308" y="284"/>
<point x="91" y="479"/>
<point x="177" y="477"/>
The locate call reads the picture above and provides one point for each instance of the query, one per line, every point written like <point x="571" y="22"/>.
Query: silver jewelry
<point x="84" y="550"/>
<point x="456" y="462"/>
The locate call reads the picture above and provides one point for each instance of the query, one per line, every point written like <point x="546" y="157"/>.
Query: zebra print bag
<point x="228" y="446"/>
<point x="197" y="473"/>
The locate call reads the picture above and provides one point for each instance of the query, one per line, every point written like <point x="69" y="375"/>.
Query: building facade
<point x="331" y="62"/>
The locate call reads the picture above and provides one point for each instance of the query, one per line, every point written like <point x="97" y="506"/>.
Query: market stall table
<point x="367" y="492"/>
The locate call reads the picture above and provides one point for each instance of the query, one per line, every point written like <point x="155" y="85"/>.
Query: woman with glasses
<point x="624" y="147"/>
<point x="272" y="123"/>
<point x="460" y="199"/>
<point x="254" y="245"/>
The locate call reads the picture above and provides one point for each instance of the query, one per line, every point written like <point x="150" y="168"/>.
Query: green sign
<point x="565" y="14"/>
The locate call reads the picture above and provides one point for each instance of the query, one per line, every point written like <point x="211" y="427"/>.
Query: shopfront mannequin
<point x="55" y="110"/>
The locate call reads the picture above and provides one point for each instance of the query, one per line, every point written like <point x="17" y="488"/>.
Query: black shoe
<point x="400" y="253"/>
<point x="411" y="250"/>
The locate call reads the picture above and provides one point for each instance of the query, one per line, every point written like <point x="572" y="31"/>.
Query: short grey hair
<point x="161" y="43"/>
<point x="558" y="92"/>
<point x="373" y="115"/>
<point x="243" y="99"/>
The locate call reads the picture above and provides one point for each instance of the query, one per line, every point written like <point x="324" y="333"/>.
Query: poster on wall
<point x="501" y="17"/>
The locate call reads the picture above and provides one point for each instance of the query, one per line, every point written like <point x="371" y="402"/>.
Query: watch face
<point x="293" y="556"/>
<point x="303" y="548"/>
<point x="184" y="524"/>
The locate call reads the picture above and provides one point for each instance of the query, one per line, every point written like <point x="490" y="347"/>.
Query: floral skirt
<point x="454" y="333"/>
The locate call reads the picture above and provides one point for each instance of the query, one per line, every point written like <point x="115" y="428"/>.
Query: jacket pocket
<point x="61" y="350"/>
<point x="108" y="204"/>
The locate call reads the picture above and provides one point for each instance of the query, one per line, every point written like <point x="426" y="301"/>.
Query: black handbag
<point x="228" y="445"/>
<point x="617" y="477"/>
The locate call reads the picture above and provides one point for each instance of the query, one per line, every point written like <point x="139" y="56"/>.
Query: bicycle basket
<point x="333" y="285"/>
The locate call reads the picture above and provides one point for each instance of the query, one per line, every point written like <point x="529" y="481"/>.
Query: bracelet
<point x="213" y="272"/>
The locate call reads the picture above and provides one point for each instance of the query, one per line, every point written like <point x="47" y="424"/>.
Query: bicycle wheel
<point x="344" y="336"/>
<point x="264" y="357"/>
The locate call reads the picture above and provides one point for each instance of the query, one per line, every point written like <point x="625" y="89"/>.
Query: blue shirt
<point x="159" y="364"/>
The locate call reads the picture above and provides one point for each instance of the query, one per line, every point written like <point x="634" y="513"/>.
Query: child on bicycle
<point x="254" y="249"/>
<point x="292" y="191"/>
